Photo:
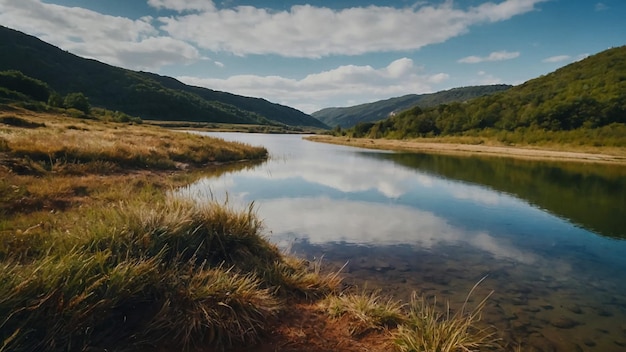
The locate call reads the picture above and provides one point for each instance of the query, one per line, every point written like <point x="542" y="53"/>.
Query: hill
<point x="350" y="116"/>
<point x="589" y="95"/>
<point x="143" y="94"/>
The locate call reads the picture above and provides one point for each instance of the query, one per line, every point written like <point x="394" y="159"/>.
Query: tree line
<point x="589" y="94"/>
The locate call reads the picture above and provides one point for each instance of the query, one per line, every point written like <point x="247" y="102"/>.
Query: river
<point x="547" y="237"/>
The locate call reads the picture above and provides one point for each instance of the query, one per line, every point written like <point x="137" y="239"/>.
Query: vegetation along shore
<point x="99" y="253"/>
<point x="577" y="112"/>
<point x="469" y="146"/>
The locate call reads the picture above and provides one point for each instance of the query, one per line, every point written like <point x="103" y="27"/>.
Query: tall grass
<point x="426" y="329"/>
<point x="60" y="142"/>
<point x="365" y="311"/>
<point x="170" y="272"/>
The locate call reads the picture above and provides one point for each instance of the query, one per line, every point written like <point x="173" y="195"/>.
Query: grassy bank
<point x="143" y="274"/>
<point x="96" y="253"/>
<point x="466" y="145"/>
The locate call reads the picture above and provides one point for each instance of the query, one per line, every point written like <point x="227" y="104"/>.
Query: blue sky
<point x="318" y="53"/>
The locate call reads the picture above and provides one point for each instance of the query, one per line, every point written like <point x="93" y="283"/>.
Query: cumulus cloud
<point x="304" y="31"/>
<point x="183" y="5"/>
<point x="557" y="58"/>
<point x="115" y="40"/>
<point x="358" y="84"/>
<point x="313" y="32"/>
<point x="565" y="58"/>
<point x="494" y="56"/>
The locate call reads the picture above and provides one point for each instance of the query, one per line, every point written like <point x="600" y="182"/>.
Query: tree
<point x="77" y="101"/>
<point x="55" y="100"/>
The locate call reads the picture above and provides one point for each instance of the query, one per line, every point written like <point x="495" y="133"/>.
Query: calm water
<point x="549" y="237"/>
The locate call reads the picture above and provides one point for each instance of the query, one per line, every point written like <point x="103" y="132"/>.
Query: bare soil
<point x="305" y="328"/>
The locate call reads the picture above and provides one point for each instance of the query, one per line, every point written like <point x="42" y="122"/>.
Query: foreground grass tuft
<point x="427" y="330"/>
<point x="172" y="272"/>
<point x="365" y="311"/>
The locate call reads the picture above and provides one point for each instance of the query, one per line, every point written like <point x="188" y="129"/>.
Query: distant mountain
<point x="142" y="94"/>
<point x="350" y="116"/>
<point x="587" y="94"/>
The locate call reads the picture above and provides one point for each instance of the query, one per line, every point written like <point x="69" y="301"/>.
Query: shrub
<point x="77" y="101"/>
<point x="17" y="81"/>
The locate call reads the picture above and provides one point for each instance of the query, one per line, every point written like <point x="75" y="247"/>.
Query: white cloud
<point x="558" y="58"/>
<point x="304" y="31"/>
<point x="374" y="224"/>
<point x="183" y="5"/>
<point x="358" y="84"/>
<point x="485" y="78"/>
<point x="313" y="32"/>
<point x="582" y="56"/>
<point x="120" y="41"/>
<point x="601" y="7"/>
<point x="494" y="56"/>
<point x="565" y="58"/>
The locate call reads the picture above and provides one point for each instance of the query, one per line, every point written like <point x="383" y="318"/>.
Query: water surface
<point x="548" y="236"/>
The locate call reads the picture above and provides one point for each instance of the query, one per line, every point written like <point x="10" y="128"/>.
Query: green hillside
<point x="137" y="93"/>
<point x="585" y="96"/>
<point x="350" y="116"/>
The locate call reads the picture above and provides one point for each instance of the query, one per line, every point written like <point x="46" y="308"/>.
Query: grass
<point x="59" y="149"/>
<point x="426" y="329"/>
<point x="171" y="272"/>
<point x="603" y="140"/>
<point x="415" y="327"/>
<point x="97" y="253"/>
<point x="365" y="311"/>
<point x="65" y="161"/>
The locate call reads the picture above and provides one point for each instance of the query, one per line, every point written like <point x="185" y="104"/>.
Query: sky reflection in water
<point x="409" y="228"/>
<point x="324" y="194"/>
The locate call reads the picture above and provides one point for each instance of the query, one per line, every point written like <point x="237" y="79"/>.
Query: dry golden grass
<point x="365" y="311"/>
<point x="54" y="162"/>
<point x="64" y="142"/>
<point x="94" y="252"/>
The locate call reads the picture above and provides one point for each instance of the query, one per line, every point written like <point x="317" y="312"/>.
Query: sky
<point x="313" y="54"/>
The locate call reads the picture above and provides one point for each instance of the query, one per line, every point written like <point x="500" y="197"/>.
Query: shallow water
<point x="548" y="237"/>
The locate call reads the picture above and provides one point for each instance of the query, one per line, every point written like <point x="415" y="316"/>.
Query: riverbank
<point x="98" y="252"/>
<point x="590" y="155"/>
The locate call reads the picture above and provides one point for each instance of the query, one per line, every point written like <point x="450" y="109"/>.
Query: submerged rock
<point x="589" y="342"/>
<point x="574" y="308"/>
<point x="564" y="323"/>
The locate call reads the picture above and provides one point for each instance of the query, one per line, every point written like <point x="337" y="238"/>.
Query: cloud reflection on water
<point x="322" y="220"/>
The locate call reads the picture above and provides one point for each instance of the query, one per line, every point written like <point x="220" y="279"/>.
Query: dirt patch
<point x="304" y="327"/>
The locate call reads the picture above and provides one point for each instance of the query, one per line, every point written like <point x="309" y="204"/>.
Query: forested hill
<point x="379" y="110"/>
<point x="588" y="94"/>
<point x="142" y="94"/>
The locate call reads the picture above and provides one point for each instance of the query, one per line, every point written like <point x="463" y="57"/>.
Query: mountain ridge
<point x="587" y="95"/>
<point x="347" y="117"/>
<point x="148" y="95"/>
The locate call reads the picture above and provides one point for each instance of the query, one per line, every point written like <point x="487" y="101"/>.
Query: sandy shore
<point x="474" y="149"/>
